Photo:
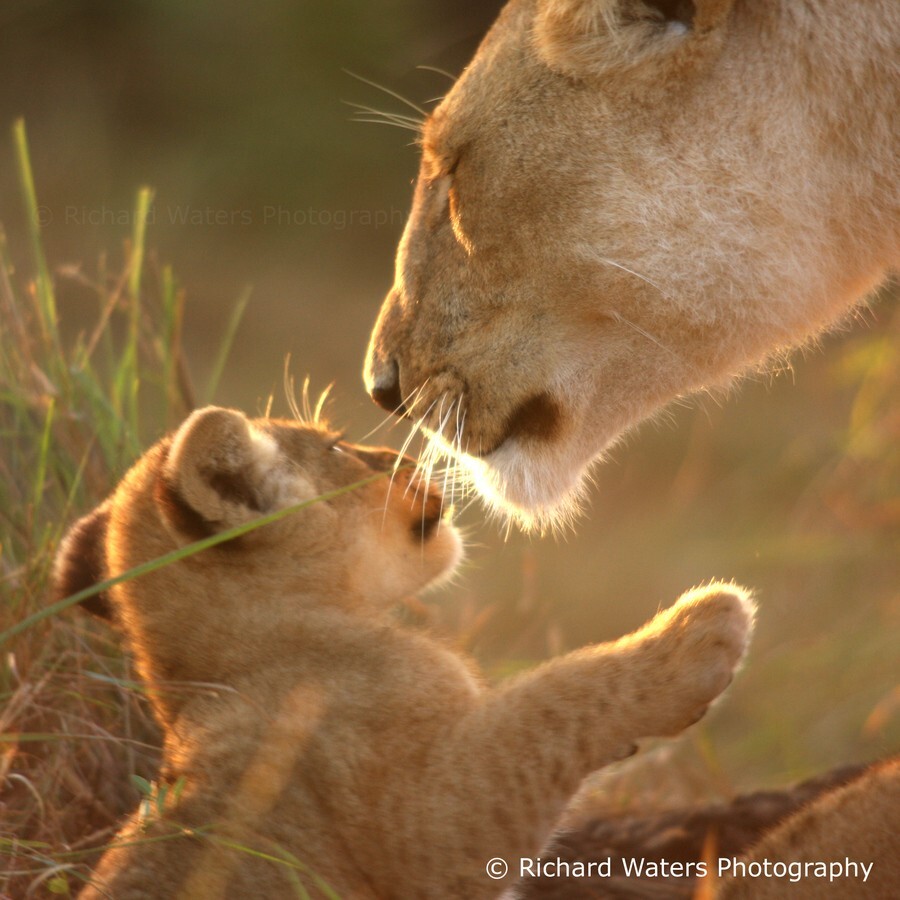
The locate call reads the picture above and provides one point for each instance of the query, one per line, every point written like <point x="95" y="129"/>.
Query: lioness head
<point x="361" y="549"/>
<point x="623" y="201"/>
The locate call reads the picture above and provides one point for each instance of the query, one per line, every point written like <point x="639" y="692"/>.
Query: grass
<point x="73" y="416"/>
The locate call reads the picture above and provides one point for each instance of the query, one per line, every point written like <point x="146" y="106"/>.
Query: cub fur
<point x="625" y="201"/>
<point x="339" y="750"/>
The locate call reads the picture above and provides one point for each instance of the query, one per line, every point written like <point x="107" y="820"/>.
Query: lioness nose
<point x="385" y="388"/>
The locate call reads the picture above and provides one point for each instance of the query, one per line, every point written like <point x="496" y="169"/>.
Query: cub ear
<point x="220" y="471"/>
<point x="81" y="562"/>
<point x="589" y="37"/>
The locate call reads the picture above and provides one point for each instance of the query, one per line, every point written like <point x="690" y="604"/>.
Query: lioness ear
<point x="220" y="472"/>
<point x="80" y="562"/>
<point x="584" y="37"/>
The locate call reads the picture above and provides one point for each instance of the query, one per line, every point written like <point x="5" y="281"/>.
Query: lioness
<point x="623" y="201"/>
<point x="310" y="744"/>
<point x="858" y="823"/>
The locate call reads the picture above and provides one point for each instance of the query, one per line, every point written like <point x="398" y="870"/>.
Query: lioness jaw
<point x="622" y="202"/>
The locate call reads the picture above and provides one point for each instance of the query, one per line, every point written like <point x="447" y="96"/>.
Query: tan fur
<point x="859" y="822"/>
<point x="303" y="725"/>
<point x="614" y="209"/>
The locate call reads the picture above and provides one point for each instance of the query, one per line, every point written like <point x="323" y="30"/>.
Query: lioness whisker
<point x="436" y="456"/>
<point x="433" y="451"/>
<point x="386" y="121"/>
<point x="411" y="401"/>
<point x="451" y="482"/>
<point x="457" y="448"/>
<point x="426" y="460"/>
<point x="414" y="430"/>
<point x="624" y="268"/>
<point x="380" y="87"/>
<point x="383" y="114"/>
<point x="387" y="419"/>
<point x="644" y="333"/>
<point x="416" y="396"/>
<point x="443" y="72"/>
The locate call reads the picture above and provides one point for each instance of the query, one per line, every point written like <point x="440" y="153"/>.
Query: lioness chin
<point x="625" y="201"/>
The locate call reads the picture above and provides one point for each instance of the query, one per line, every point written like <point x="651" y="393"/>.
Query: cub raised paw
<point x="694" y="648"/>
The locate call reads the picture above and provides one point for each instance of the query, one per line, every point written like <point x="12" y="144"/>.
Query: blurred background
<point x="235" y="115"/>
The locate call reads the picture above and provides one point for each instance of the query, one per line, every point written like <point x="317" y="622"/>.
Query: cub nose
<point x="379" y="460"/>
<point x="385" y="388"/>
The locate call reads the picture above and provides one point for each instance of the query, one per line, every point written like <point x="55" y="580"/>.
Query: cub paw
<point x="699" y="643"/>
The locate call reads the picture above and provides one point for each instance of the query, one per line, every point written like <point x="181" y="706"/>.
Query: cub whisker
<point x="320" y="403"/>
<point x="290" y="391"/>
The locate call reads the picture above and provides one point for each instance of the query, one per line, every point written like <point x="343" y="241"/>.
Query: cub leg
<point x="516" y="760"/>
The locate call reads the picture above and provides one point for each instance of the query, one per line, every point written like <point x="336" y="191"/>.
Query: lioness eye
<point x="437" y="166"/>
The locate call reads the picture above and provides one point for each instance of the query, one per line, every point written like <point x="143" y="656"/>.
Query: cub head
<point x="367" y="537"/>
<point x="619" y="202"/>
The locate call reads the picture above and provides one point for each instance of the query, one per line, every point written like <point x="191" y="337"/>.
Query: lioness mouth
<point x="538" y="417"/>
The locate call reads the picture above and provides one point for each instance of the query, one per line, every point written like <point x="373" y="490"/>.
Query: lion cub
<point x="319" y="749"/>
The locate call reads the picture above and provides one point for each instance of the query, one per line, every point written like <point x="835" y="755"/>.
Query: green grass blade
<point x="300" y="891"/>
<point x="138" y="240"/>
<point x="177" y="833"/>
<point x="127" y="381"/>
<point x="234" y="322"/>
<point x="176" y="555"/>
<point x="40" y="477"/>
<point x="172" y="308"/>
<point x="43" y="283"/>
<point x="10" y="309"/>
